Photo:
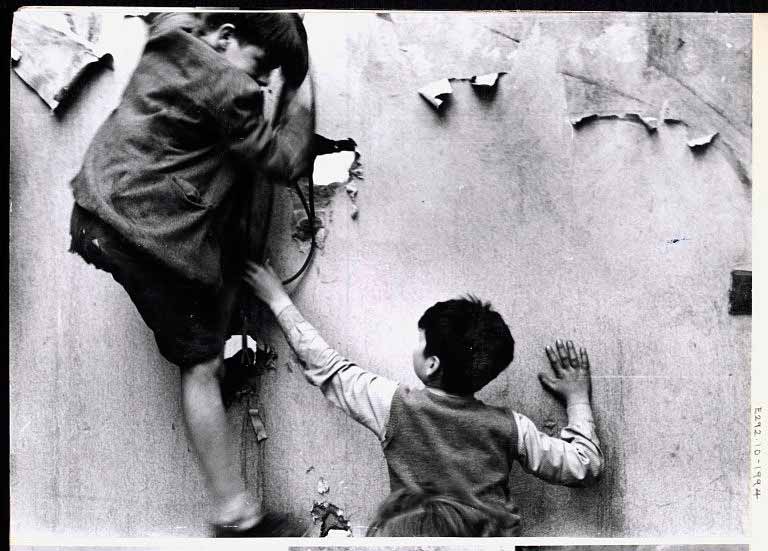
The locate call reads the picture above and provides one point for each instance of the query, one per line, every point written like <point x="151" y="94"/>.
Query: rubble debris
<point x="355" y="212"/>
<point x="337" y="533"/>
<point x="701" y="141"/>
<point x="386" y="16"/>
<point x="330" y="516"/>
<point x="257" y="424"/>
<point x="52" y="50"/>
<point x="310" y="469"/>
<point x="436" y="93"/>
<point x="676" y="240"/>
<point x="322" y="486"/>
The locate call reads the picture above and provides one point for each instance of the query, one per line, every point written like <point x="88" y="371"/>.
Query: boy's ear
<point x="225" y="33"/>
<point x="432" y="366"/>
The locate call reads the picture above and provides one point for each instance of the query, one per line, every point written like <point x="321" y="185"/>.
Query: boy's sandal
<point x="271" y="525"/>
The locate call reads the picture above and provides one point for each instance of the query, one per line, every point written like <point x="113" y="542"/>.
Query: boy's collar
<point x="442" y="393"/>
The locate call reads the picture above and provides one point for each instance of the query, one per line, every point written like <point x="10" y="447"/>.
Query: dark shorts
<point x="190" y="322"/>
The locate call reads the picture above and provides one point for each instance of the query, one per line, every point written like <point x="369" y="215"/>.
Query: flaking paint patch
<point x="648" y="71"/>
<point x="322" y="486"/>
<point x="700" y="141"/>
<point x="338" y="165"/>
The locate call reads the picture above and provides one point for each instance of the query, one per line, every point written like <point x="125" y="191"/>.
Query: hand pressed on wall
<point x="571" y="383"/>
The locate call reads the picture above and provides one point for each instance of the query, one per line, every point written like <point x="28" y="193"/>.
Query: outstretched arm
<point x="362" y="395"/>
<point x="574" y="459"/>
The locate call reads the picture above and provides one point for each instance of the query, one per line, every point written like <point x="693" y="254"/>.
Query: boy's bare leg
<point x="212" y="440"/>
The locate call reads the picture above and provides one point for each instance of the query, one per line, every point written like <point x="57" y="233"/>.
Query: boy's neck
<point x="441" y="392"/>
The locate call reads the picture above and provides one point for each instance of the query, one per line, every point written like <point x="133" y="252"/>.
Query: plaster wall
<point x="568" y="232"/>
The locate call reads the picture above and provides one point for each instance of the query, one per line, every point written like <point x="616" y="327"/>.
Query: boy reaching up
<point x="442" y="432"/>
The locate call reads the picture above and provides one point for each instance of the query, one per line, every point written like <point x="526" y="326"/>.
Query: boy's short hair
<point x="429" y="512"/>
<point x="472" y="342"/>
<point x="282" y="35"/>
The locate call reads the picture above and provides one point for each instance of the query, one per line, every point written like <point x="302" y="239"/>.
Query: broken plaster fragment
<point x="670" y="112"/>
<point x="355" y="214"/>
<point x="15" y="55"/>
<point x="701" y="140"/>
<point x="322" y="486"/>
<point x="486" y="81"/>
<point x="351" y="190"/>
<point x="257" y="424"/>
<point x="436" y="92"/>
<point x="651" y="123"/>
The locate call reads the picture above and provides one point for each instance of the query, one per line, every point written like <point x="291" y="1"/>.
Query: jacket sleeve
<point x="574" y="459"/>
<point x="282" y="149"/>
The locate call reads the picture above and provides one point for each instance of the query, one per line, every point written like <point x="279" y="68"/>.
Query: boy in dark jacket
<point x="441" y="432"/>
<point x="165" y="188"/>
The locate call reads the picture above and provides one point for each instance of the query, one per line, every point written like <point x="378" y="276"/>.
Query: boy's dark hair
<point x="282" y="35"/>
<point x="429" y="512"/>
<point x="472" y="342"/>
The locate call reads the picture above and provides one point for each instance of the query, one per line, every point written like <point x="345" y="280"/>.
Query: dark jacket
<point x="167" y="167"/>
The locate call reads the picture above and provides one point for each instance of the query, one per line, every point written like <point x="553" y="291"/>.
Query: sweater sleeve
<point x="574" y="459"/>
<point x="362" y="395"/>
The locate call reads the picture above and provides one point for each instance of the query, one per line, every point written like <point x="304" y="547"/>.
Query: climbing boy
<point x="169" y="190"/>
<point x="442" y="432"/>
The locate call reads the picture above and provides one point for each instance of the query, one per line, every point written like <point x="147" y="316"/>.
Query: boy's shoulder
<point x="192" y="68"/>
<point x="425" y="397"/>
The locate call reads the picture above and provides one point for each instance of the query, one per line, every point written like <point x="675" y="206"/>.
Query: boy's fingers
<point x="563" y="353"/>
<point x="573" y="360"/>
<point x="584" y="359"/>
<point x="553" y="360"/>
